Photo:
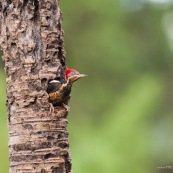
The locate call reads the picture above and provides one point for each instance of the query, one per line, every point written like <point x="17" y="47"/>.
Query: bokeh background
<point x="121" y="115"/>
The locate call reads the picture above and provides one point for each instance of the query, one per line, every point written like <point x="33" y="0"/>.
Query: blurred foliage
<point x="120" y="119"/>
<point x="3" y="125"/>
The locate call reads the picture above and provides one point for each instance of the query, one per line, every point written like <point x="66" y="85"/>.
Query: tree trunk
<point x="32" y="42"/>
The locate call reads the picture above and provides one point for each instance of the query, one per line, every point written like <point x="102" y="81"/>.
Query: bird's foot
<point x="66" y="107"/>
<point x="51" y="108"/>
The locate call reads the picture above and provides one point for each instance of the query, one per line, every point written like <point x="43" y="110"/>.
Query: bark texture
<point x="33" y="48"/>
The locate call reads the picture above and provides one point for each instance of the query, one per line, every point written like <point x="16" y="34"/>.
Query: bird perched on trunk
<point x="59" y="90"/>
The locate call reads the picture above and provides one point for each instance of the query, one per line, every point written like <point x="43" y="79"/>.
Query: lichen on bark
<point x="33" y="51"/>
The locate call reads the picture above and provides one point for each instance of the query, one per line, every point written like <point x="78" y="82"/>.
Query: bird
<point x="59" y="90"/>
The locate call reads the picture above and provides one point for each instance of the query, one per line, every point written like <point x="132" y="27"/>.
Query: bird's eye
<point x="71" y="74"/>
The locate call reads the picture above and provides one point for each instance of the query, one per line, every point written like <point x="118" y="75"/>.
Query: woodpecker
<point x="59" y="90"/>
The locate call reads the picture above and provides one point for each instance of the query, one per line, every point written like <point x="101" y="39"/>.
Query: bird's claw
<point x="51" y="109"/>
<point x="66" y="107"/>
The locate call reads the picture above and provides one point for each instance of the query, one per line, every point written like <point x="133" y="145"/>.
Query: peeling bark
<point x="33" y="51"/>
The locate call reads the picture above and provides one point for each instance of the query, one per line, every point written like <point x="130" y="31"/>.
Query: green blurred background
<point x="121" y="115"/>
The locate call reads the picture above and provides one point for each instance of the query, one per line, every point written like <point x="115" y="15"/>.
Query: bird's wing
<point x="53" y="86"/>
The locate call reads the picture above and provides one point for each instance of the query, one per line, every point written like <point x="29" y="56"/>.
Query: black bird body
<point x="59" y="90"/>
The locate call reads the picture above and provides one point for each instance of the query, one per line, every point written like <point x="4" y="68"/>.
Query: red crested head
<point x="70" y="72"/>
<point x="73" y="74"/>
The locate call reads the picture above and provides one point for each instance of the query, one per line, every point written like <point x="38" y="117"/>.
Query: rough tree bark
<point x="33" y="48"/>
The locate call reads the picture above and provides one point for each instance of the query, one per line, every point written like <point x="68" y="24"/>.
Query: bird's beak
<point x="82" y="75"/>
<point x="76" y="77"/>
